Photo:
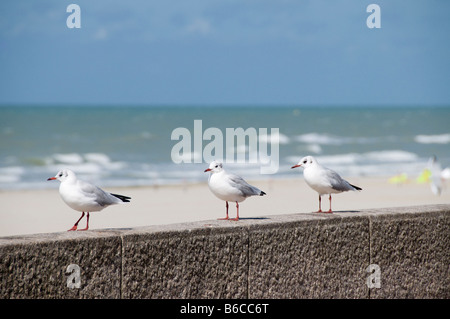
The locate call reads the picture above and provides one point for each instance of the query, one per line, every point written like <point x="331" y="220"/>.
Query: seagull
<point x="436" y="176"/>
<point x="83" y="196"/>
<point x="229" y="187"/>
<point x="323" y="180"/>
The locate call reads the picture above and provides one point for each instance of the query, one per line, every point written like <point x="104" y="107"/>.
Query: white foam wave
<point x="380" y="163"/>
<point x="71" y="158"/>
<point x="97" y="158"/>
<point x="85" y="162"/>
<point x="380" y="157"/>
<point x="316" y="138"/>
<point x="391" y="156"/>
<point x="7" y="179"/>
<point x="12" y="170"/>
<point x="314" y="148"/>
<point x="445" y="174"/>
<point x="327" y="139"/>
<point x="92" y="165"/>
<point x="11" y="174"/>
<point x="274" y="138"/>
<point x="433" y="139"/>
<point x="386" y="156"/>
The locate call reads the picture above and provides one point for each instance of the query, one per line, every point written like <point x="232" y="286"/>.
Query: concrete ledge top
<point x="220" y="225"/>
<point x="278" y="256"/>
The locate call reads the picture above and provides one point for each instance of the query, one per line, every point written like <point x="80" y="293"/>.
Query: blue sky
<point x="225" y="52"/>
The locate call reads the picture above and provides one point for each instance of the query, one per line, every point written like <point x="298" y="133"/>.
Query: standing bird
<point x="84" y="197"/>
<point x="229" y="187"/>
<point x="323" y="180"/>
<point x="436" y="175"/>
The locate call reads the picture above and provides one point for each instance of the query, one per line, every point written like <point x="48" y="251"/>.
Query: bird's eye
<point x="304" y="162"/>
<point x="216" y="166"/>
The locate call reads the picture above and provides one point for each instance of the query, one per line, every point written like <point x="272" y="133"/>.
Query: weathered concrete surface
<point x="198" y="263"/>
<point x="35" y="266"/>
<point x="413" y="252"/>
<point x="320" y="258"/>
<point x="289" y="256"/>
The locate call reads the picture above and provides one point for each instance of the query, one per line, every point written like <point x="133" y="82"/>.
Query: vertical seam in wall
<point x="370" y="246"/>
<point x="248" y="263"/>
<point x="121" y="268"/>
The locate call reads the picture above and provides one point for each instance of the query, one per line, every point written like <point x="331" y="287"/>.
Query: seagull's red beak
<point x="296" y="166"/>
<point x="51" y="178"/>
<point x="207" y="170"/>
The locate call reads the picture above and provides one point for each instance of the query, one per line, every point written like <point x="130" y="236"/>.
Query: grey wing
<point x="97" y="194"/>
<point x="337" y="182"/>
<point x="245" y="188"/>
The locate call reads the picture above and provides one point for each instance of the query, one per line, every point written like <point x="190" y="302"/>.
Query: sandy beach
<point x="42" y="211"/>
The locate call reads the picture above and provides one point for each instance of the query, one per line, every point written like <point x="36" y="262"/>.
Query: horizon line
<point x="225" y="105"/>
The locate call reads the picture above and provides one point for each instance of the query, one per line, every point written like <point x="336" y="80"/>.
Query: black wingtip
<point x="262" y="193"/>
<point x="356" y="187"/>
<point x="123" y="198"/>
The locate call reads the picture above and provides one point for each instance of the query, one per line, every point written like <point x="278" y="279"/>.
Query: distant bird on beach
<point x="83" y="196"/>
<point x="436" y="175"/>
<point x="323" y="180"/>
<point x="229" y="187"/>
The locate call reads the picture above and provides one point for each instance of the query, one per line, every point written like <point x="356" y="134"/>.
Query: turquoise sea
<point x="132" y="145"/>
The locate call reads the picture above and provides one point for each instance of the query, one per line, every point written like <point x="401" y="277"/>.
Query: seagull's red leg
<point x="320" y="201"/>
<point x="226" y="218"/>
<point x="330" y="211"/>
<point x="87" y="223"/>
<point x="237" y="212"/>
<point x="76" y="224"/>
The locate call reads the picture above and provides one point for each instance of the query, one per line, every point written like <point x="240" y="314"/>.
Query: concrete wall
<point x="289" y="256"/>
